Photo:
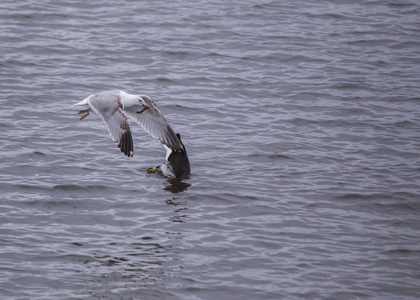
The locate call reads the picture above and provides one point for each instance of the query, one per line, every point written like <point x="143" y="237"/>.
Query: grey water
<point x="302" y="124"/>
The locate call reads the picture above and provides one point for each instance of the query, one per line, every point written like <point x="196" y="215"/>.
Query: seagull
<point x="116" y="107"/>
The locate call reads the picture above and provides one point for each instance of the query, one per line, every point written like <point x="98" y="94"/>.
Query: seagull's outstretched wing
<point x="153" y="121"/>
<point x="109" y="107"/>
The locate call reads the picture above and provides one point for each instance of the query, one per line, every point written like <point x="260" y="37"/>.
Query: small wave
<point x="75" y="187"/>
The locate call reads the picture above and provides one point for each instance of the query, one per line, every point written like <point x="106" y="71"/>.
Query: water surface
<point x="301" y="121"/>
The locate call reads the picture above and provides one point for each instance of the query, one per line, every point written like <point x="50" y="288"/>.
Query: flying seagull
<point x="115" y="107"/>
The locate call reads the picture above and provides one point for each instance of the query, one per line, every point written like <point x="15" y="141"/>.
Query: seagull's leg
<point x="146" y="106"/>
<point x="85" y="112"/>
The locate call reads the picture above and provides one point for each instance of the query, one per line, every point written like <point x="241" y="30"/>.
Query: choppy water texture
<point x="302" y="124"/>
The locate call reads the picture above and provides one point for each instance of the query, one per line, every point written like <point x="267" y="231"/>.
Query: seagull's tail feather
<point x="83" y="102"/>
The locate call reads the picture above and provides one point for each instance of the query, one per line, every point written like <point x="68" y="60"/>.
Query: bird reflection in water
<point x="176" y="185"/>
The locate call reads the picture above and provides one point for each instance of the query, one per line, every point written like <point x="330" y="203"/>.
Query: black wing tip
<point x="126" y="143"/>
<point x="183" y="149"/>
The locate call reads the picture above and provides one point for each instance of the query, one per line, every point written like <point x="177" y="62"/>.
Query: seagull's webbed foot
<point x="145" y="106"/>
<point x="86" y="113"/>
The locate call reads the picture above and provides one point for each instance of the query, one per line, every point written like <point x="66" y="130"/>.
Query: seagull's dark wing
<point x="109" y="107"/>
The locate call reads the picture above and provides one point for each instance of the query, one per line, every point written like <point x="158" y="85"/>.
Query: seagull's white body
<point x="116" y="107"/>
